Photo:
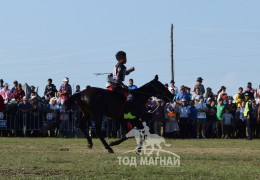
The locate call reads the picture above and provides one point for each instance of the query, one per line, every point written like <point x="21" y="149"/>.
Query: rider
<point x="119" y="72"/>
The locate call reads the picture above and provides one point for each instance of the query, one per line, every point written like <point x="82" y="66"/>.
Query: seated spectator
<point x="239" y="97"/>
<point x="1" y="84"/>
<point x="227" y="124"/>
<point x="200" y="86"/>
<point x="6" y="93"/>
<point x="19" y="93"/>
<point x="15" y="87"/>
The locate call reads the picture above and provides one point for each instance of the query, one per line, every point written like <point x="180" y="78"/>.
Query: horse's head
<point x="159" y="90"/>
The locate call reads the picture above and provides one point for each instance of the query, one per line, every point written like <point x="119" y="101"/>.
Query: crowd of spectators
<point x="193" y="113"/>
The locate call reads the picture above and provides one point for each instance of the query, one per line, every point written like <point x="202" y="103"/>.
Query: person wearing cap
<point x="201" y="117"/>
<point x="6" y="93"/>
<point x="248" y="113"/>
<point x="172" y="86"/>
<point x="65" y="91"/>
<point x="1" y="84"/>
<point x="200" y="86"/>
<point x="239" y="97"/>
<point x="50" y="89"/>
<point x="184" y="112"/>
<point x="19" y="93"/>
<point x="15" y="86"/>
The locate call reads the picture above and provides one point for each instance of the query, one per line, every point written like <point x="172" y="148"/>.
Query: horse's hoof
<point x="110" y="151"/>
<point x="90" y="146"/>
<point x="112" y="144"/>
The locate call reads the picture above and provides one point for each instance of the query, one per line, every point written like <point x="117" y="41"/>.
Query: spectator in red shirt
<point x="65" y="91"/>
<point x="19" y="93"/>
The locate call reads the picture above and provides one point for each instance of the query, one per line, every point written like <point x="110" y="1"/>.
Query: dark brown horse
<point x="97" y="102"/>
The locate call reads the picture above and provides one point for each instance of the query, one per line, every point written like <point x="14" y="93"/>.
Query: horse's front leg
<point x="98" y="119"/>
<point x="82" y="125"/>
<point x="124" y="128"/>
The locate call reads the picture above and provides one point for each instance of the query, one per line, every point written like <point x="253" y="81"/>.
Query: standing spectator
<point x="19" y="93"/>
<point x="220" y="112"/>
<point x="239" y="97"/>
<point x="131" y="85"/>
<point x="248" y="113"/>
<point x="15" y="86"/>
<point x="231" y="106"/>
<point x="201" y="117"/>
<point x="1" y="84"/>
<point x="227" y="124"/>
<point x="193" y="120"/>
<point x="257" y="93"/>
<point x="182" y="95"/>
<point x="77" y="89"/>
<point x="2" y="104"/>
<point x="241" y="121"/>
<point x="184" y="118"/>
<point x="188" y="92"/>
<point x="258" y="121"/>
<point x="196" y="96"/>
<point x="65" y="91"/>
<point x="171" y="124"/>
<point x="50" y="89"/>
<point x="211" y="120"/>
<point x="200" y="86"/>
<point x="6" y="93"/>
<point x="172" y="86"/>
<point x="157" y="116"/>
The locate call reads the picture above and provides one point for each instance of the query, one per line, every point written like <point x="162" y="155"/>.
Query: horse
<point x="97" y="102"/>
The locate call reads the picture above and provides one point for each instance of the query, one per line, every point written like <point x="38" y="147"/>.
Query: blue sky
<point x="217" y="40"/>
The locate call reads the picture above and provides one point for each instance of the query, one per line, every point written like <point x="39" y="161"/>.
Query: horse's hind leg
<point x="83" y="126"/>
<point x="98" y="120"/>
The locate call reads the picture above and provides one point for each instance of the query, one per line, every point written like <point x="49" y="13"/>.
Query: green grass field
<point x="42" y="158"/>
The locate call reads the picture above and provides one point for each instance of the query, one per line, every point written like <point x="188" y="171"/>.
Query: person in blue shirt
<point x="182" y="95"/>
<point x="131" y="85"/>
